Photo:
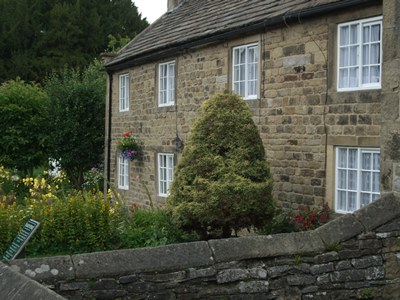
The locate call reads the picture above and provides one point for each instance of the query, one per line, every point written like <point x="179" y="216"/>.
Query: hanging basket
<point x="129" y="146"/>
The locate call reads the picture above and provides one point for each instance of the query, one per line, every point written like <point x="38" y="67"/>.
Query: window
<point x="123" y="173"/>
<point x="360" y="55"/>
<point x="166" y="84"/>
<point x="245" y="71"/>
<point x="165" y="173"/>
<point x="357" y="178"/>
<point x="124" y="92"/>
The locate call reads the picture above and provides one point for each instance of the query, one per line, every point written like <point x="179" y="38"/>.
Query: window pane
<point x="365" y="76"/>
<point x="353" y="55"/>
<point x="365" y="181"/>
<point x="344" y="78"/>
<point x="250" y="55"/>
<point x="344" y="35"/>
<point x="354" y="34"/>
<point x="352" y="180"/>
<point x="242" y="73"/>
<point x="344" y="57"/>
<point x="242" y="89"/>
<point x="341" y="202"/>
<point x="353" y="76"/>
<point x="375" y="54"/>
<point x="342" y="179"/>
<point x="376" y="161"/>
<point x="365" y="199"/>
<point x="375" y="32"/>
<point x="342" y="158"/>
<point x="365" y="55"/>
<point x="353" y="158"/>
<point x="235" y="56"/>
<point x="352" y="201"/>
<point x="375" y="75"/>
<point x="242" y="56"/>
<point x="366" y="161"/>
<point x="366" y="34"/>
<point x="375" y="182"/>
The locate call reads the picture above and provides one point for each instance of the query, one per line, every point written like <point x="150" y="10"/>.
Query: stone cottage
<point x="320" y="76"/>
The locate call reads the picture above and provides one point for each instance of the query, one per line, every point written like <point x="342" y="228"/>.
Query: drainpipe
<point x="109" y="125"/>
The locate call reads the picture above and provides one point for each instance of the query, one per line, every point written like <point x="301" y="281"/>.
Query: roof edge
<point x="288" y="17"/>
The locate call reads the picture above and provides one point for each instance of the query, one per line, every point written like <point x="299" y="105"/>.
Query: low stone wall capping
<point x="356" y="256"/>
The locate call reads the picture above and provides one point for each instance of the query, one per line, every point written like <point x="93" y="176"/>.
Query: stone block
<point x="300" y="279"/>
<point x="265" y="246"/>
<point x="14" y="285"/>
<point x="47" y="269"/>
<point x="297" y="60"/>
<point x="379" y="212"/>
<point x="348" y="275"/>
<point x="257" y="286"/>
<point x="339" y="229"/>
<point x="125" y="262"/>
<point x="375" y="273"/>
<point x="232" y="275"/>
<point x="365" y="262"/>
<point x="321" y="269"/>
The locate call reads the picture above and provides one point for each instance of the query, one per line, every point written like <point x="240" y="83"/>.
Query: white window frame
<point x="165" y="173"/>
<point x="124" y="92"/>
<point x="357" y="190"/>
<point x="123" y="173"/>
<point x="166" y="84"/>
<point x="359" y="64"/>
<point x="249" y="68"/>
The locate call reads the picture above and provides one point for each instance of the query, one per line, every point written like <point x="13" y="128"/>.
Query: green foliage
<point x="367" y="293"/>
<point x="334" y="247"/>
<point x="116" y="43"/>
<point x="23" y="126"/>
<point x="80" y="221"/>
<point x="39" y="37"/>
<point x="150" y="228"/>
<point x="281" y="223"/>
<point x="129" y="146"/>
<point x="77" y="120"/>
<point x="300" y="219"/>
<point x="84" y="222"/>
<point x="222" y="181"/>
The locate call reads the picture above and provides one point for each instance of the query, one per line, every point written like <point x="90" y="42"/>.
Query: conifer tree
<point x="222" y="182"/>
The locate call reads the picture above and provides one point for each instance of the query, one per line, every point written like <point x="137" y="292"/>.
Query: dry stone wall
<point x="356" y="256"/>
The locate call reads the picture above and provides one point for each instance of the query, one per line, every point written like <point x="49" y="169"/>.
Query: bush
<point x="80" y="221"/>
<point x="300" y="219"/>
<point x="23" y="126"/>
<point x="222" y="182"/>
<point x="150" y="228"/>
<point x="70" y="221"/>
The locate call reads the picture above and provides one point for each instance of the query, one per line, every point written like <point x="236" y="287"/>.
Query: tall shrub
<point x="23" y="126"/>
<point x="222" y="182"/>
<point x="77" y="120"/>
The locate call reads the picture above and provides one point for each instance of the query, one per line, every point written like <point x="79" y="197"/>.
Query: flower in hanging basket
<point x="129" y="146"/>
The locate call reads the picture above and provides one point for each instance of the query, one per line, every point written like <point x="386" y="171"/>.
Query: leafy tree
<point x="23" y="126"/>
<point x="77" y="120"/>
<point x="222" y="182"/>
<point x="42" y="36"/>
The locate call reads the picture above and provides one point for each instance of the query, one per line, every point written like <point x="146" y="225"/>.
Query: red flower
<point x="127" y="134"/>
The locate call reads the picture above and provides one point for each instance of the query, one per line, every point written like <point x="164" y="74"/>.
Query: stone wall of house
<point x="390" y="131"/>
<point x="355" y="256"/>
<point x="300" y="115"/>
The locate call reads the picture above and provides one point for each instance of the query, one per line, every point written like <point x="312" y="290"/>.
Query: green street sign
<point x="20" y="241"/>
